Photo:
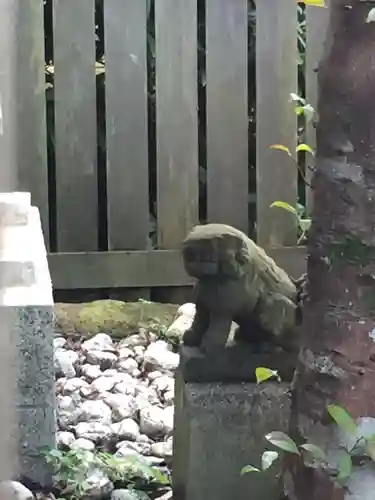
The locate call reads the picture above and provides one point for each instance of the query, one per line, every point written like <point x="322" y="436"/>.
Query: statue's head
<point x="215" y="251"/>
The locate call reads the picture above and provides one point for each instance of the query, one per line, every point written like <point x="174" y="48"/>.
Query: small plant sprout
<point x="304" y="224"/>
<point x="262" y="374"/>
<point x="313" y="3"/>
<point x="342" y="419"/>
<point x="268" y="458"/>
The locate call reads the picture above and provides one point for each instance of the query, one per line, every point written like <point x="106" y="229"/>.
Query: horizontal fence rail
<point x="123" y="152"/>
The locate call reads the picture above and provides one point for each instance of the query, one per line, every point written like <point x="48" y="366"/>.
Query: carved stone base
<point x="220" y="428"/>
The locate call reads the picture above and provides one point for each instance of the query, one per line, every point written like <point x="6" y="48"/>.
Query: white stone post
<point x="26" y="293"/>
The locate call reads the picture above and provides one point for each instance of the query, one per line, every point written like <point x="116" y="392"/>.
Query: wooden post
<point x="8" y="182"/>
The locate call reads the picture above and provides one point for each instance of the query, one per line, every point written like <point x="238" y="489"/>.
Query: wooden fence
<point x="69" y="202"/>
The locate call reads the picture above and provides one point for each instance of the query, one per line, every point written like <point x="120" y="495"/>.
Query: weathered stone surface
<point x="234" y="363"/>
<point x="116" y="318"/>
<point x="237" y="281"/>
<point x="220" y="428"/>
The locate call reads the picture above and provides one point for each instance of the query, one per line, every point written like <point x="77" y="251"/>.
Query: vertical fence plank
<point x="316" y="24"/>
<point x="177" y="119"/>
<point x="31" y="108"/>
<point x="276" y="78"/>
<point x="75" y="124"/>
<point x="227" y="112"/>
<point x="125" y="29"/>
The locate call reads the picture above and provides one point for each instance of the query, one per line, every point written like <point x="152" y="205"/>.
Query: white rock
<point x="146" y="396"/>
<point x="100" y="342"/>
<point x="163" y="449"/>
<point x="159" y="357"/>
<point x="125" y="387"/>
<point x="122" y="405"/>
<point x="136" y="373"/>
<point x="129" y="447"/>
<point x="67" y="411"/>
<point x="169" y="418"/>
<point x="65" y="362"/>
<point x="139" y="350"/>
<point x="125" y="353"/>
<point x="126" y="429"/>
<point x="153" y="461"/>
<point x="59" y="343"/>
<point x="103" y="384"/>
<point x="83" y="444"/>
<point x="95" y="411"/>
<point x="169" y="397"/>
<point x="73" y="385"/>
<point x="167" y="496"/>
<point x="93" y="431"/>
<point x="184" y="320"/>
<point x="64" y="439"/>
<point x="102" y="358"/>
<point x="122" y="494"/>
<point x="156" y="421"/>
<point x="111" y="372"/>
<point x="100" y="484"/>
<point x="163" y="384"/>
<point x="13" y="490"/>
<point x="127" y="365"/>
<point x="91" y="372"/>
<point x="154" y="375"/>
<point x="144" y="439"/>
<point x="134" y="340"/>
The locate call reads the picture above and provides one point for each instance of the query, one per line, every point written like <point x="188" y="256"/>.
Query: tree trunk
<point x="337" y="359"/>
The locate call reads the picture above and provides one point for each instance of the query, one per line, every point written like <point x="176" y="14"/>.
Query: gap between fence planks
<point x="75" y="125"/>
<point x="177" y="119"/>
<point x="227" y="112"/>
<point x="125" y="31"/>
<point x="276" y="78"/>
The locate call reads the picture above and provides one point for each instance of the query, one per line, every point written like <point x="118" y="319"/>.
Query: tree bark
<point x="337" y="359"/>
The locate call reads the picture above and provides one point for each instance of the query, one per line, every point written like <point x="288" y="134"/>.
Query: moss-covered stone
<point x="116" y="318"/>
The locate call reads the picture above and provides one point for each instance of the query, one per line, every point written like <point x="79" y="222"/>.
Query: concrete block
<point x="220" y="428"/>
<point x="26" y="295"/>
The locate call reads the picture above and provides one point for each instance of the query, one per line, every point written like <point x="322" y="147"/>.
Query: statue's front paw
<point x="191" y="338"/>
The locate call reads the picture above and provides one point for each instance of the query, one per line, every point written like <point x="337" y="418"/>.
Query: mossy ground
<point x="116" y="318"/>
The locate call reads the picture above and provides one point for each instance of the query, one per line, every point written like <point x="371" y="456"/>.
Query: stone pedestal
<point x="220" y="425"/>
<point x="26" y="295"/>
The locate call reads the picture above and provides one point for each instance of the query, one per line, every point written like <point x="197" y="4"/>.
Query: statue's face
<point x="214" y="257"/>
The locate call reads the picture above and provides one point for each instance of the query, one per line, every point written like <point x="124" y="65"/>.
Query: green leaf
<point x="304" y="224"/>
<point x="280" y="147"/>
<point x="268" y="459"/>
<point x="263" y="374"/>
<point x="282" y="441"/>
<point x="314" y="451"/>
<point x="304" y="147"/>
<point x="313" y="3"/>
<point x="371" y="16"/>
<point x="342" y="419"/>
<point x="285" y="206"/>
<point x="299" y="110"/>
<point x="249" y="468"/>
<point x="345" y="466"/>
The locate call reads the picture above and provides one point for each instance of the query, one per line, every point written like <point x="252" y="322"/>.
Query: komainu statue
<point x="237" y="281"/>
